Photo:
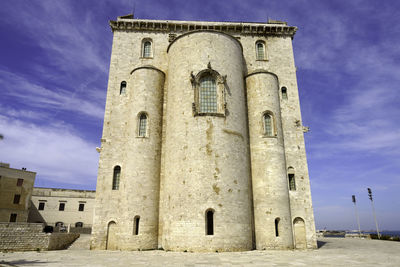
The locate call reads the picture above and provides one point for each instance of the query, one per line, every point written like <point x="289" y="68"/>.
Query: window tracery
<point x="209" y="93"/>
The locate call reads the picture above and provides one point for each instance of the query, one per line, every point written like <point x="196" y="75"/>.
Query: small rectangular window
<point x="292" y="182"/>
<point x="20" y="182"/>
<point x="61" y="207"/>
<point x="147" y="49"/>
<point x="81" y="207"/>
<point x="268" y="130"/>
<point x="41" y="206"/>
<point x="277" y="227"/>
<point x="284" y="93"/>
<point x="136" y="225"/>
<point x="210" y="222"/>
<point x="17" y="199"/>
<point x="142" y="125"/>
<point x="13" y="217"/>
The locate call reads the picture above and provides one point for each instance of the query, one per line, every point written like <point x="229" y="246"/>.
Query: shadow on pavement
<point x="21" y="262"/>
<point x="320" y="244"/>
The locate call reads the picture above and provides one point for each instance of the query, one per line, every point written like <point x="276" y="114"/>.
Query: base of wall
<point x="30" y="237"/>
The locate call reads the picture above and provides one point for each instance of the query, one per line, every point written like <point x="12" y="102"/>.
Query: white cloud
<point x="49" y="100"/>
<point x="55" y="152"/>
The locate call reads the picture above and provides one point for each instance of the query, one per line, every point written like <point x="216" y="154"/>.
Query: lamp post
<point x="373" y="211"/>
<point x="358" y="219"/>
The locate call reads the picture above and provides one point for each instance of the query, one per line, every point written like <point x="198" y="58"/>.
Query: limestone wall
<point x="270" y="187"/>
<point x="29" y="236"/>
<point x="295" y="150"/>
<point x="280" y="61"/>
<point x="138" y="157"/>
<point x="61" y="240"/>
<point x="206" y="157"/>
<point x="191" y="163"/>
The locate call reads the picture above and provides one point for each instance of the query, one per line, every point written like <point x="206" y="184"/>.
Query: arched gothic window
<point x="208" y="95"/>
<point x="210" y="222"/>
<point x="122" y="89"/>
<point x="260" y="50"/>
<point x="147" y="50"/>
<point x="116" y="177"/>
<point x="268" y="124"/>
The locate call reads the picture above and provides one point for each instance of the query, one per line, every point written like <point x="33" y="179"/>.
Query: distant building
<point x="15" y="193"/>
<point x="62" y="207"/>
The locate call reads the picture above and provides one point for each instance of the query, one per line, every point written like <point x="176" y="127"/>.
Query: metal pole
<point x="376" y="222"/>
<point x="358" y="219"/>
<point x="373" y="211"/>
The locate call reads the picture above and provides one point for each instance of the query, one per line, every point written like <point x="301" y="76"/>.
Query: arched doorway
<point x="111" y="236"/>
<point x="299" y="233"/>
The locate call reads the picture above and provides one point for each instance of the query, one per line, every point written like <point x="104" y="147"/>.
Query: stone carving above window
<point x="209" y="93"/>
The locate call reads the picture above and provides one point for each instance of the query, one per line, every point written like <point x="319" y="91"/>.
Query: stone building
<point x="202" y="146"/>
<point x="15" y="193"/>
<point x="63" y="207"/>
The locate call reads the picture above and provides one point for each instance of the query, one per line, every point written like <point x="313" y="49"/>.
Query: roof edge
<point x="277" y="28"/>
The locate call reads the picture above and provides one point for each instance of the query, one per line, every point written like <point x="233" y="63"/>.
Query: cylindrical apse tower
<point x="206" y="175"/>
<point x="142" y="166"/>
<point x="272" y="218"/>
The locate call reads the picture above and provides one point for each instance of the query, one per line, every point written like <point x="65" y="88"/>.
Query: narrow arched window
<point x="277" y="226"/>
<point x="136" y="221"/>
<point x="291" y="177"/>
<point x="147" y="49"/>
<point x="208" y="95"/>
<point x="122" y="89"/>
<point x="142" y="125"/>
<point x="284" y="92"/>
<point x="268" y="125"/>
<point x="79" y="224"/>
<point x="260" y="50"/>
<point x="116" y="176"/>
<point x="210" y="222"/>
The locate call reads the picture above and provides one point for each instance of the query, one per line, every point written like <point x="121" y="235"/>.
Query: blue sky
<point x="54" y="71"/>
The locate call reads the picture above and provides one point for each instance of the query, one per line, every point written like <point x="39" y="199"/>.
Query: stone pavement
<point x="332" y="252"/>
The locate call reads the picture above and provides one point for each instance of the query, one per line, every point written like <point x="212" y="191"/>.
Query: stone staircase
<point x="82" y="243"/>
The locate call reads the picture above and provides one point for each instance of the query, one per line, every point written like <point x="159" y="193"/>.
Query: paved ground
<point x="332" y="252"/>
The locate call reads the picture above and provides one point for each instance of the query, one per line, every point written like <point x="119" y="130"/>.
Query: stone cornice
<point x="174" y="26"/>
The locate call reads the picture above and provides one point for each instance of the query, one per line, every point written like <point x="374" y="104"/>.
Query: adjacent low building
<point x="15" y="193"/>
<point x="62" y="207"/>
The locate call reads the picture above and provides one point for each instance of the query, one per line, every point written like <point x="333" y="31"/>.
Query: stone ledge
<point x="260" y="29"/>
